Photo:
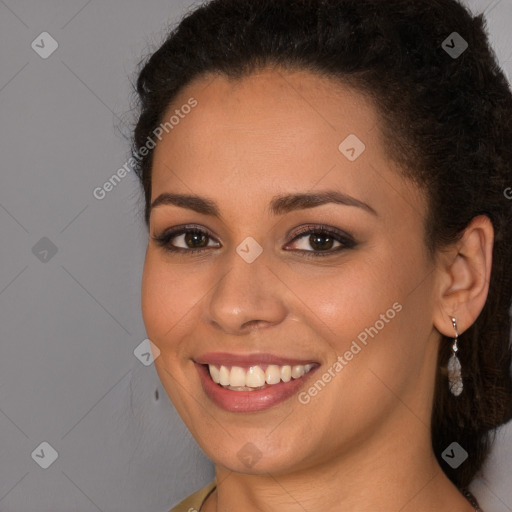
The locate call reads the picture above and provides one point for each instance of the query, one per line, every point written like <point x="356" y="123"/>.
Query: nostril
<point x="156" y="394"/>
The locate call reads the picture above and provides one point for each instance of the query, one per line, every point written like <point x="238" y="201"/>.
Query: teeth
<point x="242" y="379"/>
<point x="297" y="371"/>
<point x="214" y="373"/>
<point x="255" y="377"/>
<point x="286" y="373"/>
<point x="237" y="377"/>
<point x="272" y="374"/>
<point x="224" y="376"/>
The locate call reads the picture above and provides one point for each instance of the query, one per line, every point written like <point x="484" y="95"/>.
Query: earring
<point x="454" y="367"/>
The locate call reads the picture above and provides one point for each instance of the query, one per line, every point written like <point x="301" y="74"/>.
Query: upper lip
<point x="224" y="358"/>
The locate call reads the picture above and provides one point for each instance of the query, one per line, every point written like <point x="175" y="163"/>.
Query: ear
<point x="464" y="271"/>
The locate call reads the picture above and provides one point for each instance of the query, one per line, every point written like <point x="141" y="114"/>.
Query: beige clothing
<point x="195" y="501"/>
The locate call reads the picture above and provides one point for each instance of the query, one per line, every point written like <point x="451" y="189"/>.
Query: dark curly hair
<point x="448" y="119"/>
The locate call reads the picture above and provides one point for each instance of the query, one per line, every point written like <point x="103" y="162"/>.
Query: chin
<point x="255" y="455"/>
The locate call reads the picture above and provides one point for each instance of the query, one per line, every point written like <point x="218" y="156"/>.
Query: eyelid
<point x="185" y="228"/>
<point x="322" y="228"/>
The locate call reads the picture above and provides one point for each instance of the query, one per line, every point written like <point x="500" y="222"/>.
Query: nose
<point x="247" y="296"/>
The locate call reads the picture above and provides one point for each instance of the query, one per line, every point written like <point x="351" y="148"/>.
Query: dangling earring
<point x="454" y="367"/>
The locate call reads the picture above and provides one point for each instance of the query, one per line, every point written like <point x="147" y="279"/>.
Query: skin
<point x="364" y="440"/>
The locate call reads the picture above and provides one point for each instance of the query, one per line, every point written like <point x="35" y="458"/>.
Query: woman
<point x="327" y="278"/>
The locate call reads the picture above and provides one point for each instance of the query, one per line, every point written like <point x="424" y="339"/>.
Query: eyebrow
<point x="279" y="205"/>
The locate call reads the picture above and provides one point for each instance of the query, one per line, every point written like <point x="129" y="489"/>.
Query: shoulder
<point x="193" y="502"/>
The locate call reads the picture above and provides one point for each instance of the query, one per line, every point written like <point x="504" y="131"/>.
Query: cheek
<point x="342" y="301"/>
<point x="365" y="309"/>
<point x="379" y="319"/>
<point x="167" y="295"/>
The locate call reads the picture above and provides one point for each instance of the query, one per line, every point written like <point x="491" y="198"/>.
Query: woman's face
<point x="269" y="157"/>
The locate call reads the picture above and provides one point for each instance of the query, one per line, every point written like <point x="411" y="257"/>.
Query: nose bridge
<point x="247" y="292"/>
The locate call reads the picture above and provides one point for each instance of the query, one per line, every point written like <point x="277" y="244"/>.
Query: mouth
<point x="241" y="384"/>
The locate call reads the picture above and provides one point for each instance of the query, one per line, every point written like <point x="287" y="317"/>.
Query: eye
<point x="190" y="238"/>
<point x="322" y="239"/>
<point x="194" y="240"/>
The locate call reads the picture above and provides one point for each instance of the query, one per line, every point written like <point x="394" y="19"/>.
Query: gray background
<point x="71" y="320"/>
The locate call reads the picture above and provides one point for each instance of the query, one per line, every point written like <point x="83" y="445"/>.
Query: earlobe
<point x="465" y="276"/>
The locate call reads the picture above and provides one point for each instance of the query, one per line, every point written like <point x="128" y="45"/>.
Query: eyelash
<point x="346" y="240"/>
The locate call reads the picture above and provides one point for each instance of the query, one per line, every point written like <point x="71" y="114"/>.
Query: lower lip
<point x="249" y="401"/>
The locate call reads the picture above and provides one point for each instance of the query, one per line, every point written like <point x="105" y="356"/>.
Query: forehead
<point x="272" y="131"/>
<point x="268" y="114"/>
<point x="274" y="99"/>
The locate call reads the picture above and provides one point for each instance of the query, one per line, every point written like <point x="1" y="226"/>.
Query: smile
<point x="238" y="378"/>
<point x="251" y="383"/>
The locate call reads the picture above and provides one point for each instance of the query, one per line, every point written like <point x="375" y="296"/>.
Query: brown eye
<point x="322" y="240"/>
<point x="184" y="239"/>
<point x="195" y="239"/>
